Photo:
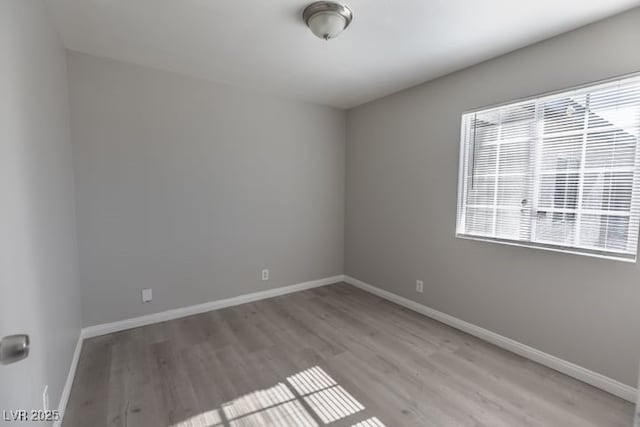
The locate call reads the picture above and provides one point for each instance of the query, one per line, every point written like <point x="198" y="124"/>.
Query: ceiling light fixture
<point x="326" y="19"/>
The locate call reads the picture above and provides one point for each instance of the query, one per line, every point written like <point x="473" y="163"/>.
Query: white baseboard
<point x="135" y="322"/>
<point x="66" y="391"/>
<point x="571" y="369"/>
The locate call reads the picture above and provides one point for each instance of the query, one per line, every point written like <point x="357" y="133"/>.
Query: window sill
<point x="575" y="251"/>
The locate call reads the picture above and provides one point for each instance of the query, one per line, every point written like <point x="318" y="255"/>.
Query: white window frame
<point x="463" y="162"/>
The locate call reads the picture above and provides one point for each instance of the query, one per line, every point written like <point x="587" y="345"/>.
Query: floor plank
<point x="328" y="356"/>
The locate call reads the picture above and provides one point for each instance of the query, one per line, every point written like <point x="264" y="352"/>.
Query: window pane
<point x="518" y="122"/>
<point x="605" y="232"/>
<point x="561" y="152"/>
<point x="556" y="228"/>
<point x="480" y="221"/>
<point x="558" y="191"/>
<point x="613" y="148"/>
<point x="512" y="191"/>
<point x="515" y="157"/>
<point x="510" y="224"/>
<point x="482" y="191"/>
<point x="484" y="158"/>
<point x="608" y="191"/>
<point x="563" y="114"/>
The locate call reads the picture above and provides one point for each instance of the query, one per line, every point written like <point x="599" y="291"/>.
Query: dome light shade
<point x="326" y="25"/>
<point x="327" y="19"/>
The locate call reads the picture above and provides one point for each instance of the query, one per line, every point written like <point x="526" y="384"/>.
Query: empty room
<point x="292" y="213"/>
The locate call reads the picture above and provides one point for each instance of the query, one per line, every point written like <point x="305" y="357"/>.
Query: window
<point x="558" y="172"/>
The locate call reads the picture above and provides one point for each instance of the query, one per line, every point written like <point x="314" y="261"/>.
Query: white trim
<point x="66" y="391"/>
<point x="135" y="322"/>
<point x="595" y="379"/>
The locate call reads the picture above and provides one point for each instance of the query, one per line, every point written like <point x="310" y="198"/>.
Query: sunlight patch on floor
<point x="257" y="401"/>
<point x="309" y="398"/>
<point x="370" y="422"/>
<point x="330" y="401"/>
<point x="286" y="415"/>
<point x="310" y="380"/>
<point x="333" y="404"/>
<point x="205" y="419"/>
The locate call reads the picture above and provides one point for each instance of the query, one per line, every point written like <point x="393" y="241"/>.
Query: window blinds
<point x="557" y="172"/>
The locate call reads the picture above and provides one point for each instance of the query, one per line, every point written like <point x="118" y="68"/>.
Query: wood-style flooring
<point x="329" y="356"/>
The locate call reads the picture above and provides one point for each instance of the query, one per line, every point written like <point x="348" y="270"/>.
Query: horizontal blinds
<point x="558" y="171"/>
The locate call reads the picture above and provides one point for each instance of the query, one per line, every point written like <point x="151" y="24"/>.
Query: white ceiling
<point x="264" y="45"/>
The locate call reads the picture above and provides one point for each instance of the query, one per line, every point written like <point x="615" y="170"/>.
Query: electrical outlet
<point x="265" y="274"/>
<point x="419" y="286"/>
<point x="147" y="295"/>
<point x="45" y="398"/>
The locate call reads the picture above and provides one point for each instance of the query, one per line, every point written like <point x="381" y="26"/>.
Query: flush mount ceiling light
<point x="326" y="19"/>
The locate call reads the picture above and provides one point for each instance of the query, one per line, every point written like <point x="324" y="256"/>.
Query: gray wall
<point x="402" y="173"/>
<point x="39" y="294"/>
<point x="191" y="188"/>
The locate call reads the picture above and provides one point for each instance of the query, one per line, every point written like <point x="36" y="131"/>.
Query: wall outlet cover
<point x="265" y="274"/>
<point x="147" y="295"/>
<point x="419" y="286"/>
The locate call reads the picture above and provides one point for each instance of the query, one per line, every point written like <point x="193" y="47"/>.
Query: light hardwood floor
<point x="329" y="356"/>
